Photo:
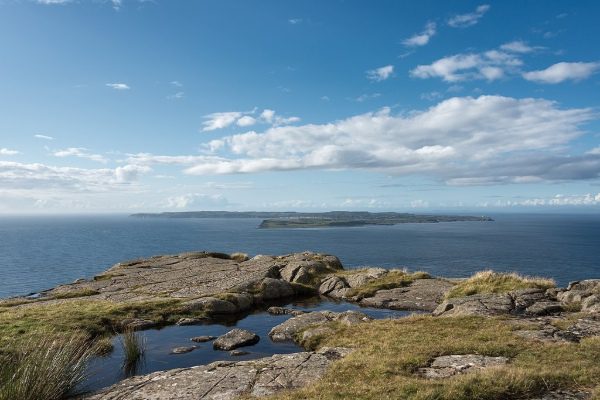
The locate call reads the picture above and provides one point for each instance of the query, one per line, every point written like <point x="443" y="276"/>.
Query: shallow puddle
<point x="107" y="370"/>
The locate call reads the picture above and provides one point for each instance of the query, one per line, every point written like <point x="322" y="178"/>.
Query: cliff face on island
<point x="478" y="332"/>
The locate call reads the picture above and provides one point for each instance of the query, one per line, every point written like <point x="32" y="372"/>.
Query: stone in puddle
<point x="203" y="339"/>
<point x="190" y="321"/>
<point x="183" y="350"/>
<point x="235" y="338"/>
<point x="237" y="353"/>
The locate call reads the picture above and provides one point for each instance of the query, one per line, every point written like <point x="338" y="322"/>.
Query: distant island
<point x="272" y="220"/>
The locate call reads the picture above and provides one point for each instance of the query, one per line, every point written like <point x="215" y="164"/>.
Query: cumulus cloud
<point x="36" y="176"/>
<point x="421" y="39"/>
<point x="118" y="86"/>
<point x="563" y="71"/>
<point x="461" y="140"/>
<point x="45" y="137"/>
<point x="222" y="120"/>
<point x="517" y="46"/>
<point x="381" y="73"/>
<point x="469" y="19"/>
<point x="489" y="65"/>
<point x="246" y="120"/>
<point x="8" y="152"/>
<point x="53" y="2"/>
<point x="80" y="152"/>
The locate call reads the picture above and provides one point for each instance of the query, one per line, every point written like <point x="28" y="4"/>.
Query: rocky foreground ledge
<point x="539" y="341"/>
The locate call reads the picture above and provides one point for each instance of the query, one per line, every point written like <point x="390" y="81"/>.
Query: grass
<point x="48" y="367"/>
<point x="388" y="352"/>
<point x="134" y="346"/>
<point x="95" y="318"/>
<point x="497" y="282"/>
<point x="391" y="280"/>
<point x="75" y="293"/>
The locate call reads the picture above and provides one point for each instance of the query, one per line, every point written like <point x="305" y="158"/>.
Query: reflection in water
<point x="157" y="356"/>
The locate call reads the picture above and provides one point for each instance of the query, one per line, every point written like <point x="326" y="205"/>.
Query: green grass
<point x="388" y="352"/>
<point x="497" y="282"/>
<point x="134" y="347"/>
<point x="391" y="280"/>
<point x="75" y="293"/>
<point x="46" y="367"/>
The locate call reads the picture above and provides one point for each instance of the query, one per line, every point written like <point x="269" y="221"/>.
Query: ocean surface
<point x="37" y="253"/>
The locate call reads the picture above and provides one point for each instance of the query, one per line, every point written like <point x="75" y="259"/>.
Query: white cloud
<point x="517" y="46"/>
<point x="220" y="120"/>
<point x="174" y="96"/>
<point x="117" y="4"/>
<point x="469" y="19"/>
<point x="271" y="117"/>
<point x="246" y="120"/>
<point x="118" y="86"/>
<point x="45" y="137"/>
<point x="594" y="151"/>
<point x="380" y="74"/>
<point x="8" y="152"/>
<point x="489" y="65"/>
<point x="80" y="152"/>
<point x="176" y="83"/>
<point x="461" y="140"/>
<point x="559" y="200"/>
<point x="421" y="39"/>
<point x="295" y="21"/>
<point x="53" y="2"/>
<point x="563" y="71"/>
<point x="366" y="96"/>
<point x="197" y="200"/>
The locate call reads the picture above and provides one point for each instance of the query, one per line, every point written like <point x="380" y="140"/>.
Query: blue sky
<point x="156" y="105"/>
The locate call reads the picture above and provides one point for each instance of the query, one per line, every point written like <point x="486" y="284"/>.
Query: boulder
<point x="190" y="321"/>
<point x="284" y="311"/>
<point x="183" y="350"/>
<point x="237" y="353"/>
<point x="203" y="339"/>
<point x="137" y="324"/>
<point x="211" y="305"/>
<point x="235" y="338"/>
<point x="334" y="286"/>
<point x="290" y="329"/>
<point x="544" y="308"/>
<point x="586" y="293"/>
<point x="271" y="289"/>
<point x="480" y="304"/>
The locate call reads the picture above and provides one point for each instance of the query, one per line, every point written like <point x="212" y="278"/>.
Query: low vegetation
<point x="391" y="280"/>
<point x="72" y="294"/>
<point x="46" y="367"/>
<point x="389" y="352"/>
<point x="134" y="347"/>
<point x="497" y="282"/>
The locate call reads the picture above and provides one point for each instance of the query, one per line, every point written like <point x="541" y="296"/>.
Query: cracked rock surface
<point x="227" y="380"/>
<point x="447" y="366"/>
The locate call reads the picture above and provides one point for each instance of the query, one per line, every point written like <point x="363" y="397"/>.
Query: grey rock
<point x="447" y="366"/>
<point x="227" y="380"/>
<point x="137" y="324"/>
<point x="421" y="295"/>
<point x="332" y="286"/>
<point x="203" y="339"/>
<point x="544" y="308"/>
<point x="272" y="289"/>
<point x="586" y="292"/>
<point x="235" y="338"/>
<point x="481" y="304"/>
<point x="183" y="350"/>
<point x="212" y="305"/>
<point x="284" y="311"/>
<point x="190" y="321"/>
<point x="290" y="329"/>
<point x="358" y="279"/>
<point x="237" y="353"/>
<point x="563" y="395"/>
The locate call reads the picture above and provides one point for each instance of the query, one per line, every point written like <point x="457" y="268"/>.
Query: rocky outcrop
<point x="585" y="294"/>
<point x="338" y="287"/>
<point x="421" y="295"/>
<point x="227" y="380"/>
<point x="235" y="338"/>
<point x="290" y="329"/>
<point x="447" y="366"/>
<point x="519" y="302"/>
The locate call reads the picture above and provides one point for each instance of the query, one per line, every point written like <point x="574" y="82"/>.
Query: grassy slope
<point x="391" y="280"/>
<point x="389" y="352"/>
<point x="497" y="282"/>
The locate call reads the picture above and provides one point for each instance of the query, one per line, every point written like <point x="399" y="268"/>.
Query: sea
<point x="39" y="252"/>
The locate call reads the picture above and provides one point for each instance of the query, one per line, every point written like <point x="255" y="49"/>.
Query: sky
<point x="120" y="106"/>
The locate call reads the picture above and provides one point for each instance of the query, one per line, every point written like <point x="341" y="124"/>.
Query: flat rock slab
<point x="235" y="338"/>
<point x="200" y="274"/>
<point x="227" y="380"/>
<point x="447" y="366"/>
<point x="421" y="295"/>
<point x="564" y="395"/>
<point x="290" y="329"/>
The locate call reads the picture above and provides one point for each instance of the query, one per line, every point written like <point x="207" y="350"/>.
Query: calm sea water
<point x="37" y="253"/>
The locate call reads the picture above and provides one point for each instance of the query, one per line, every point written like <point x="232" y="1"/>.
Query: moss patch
<point x="389" y="352"/>
<point x="497" y="282"/>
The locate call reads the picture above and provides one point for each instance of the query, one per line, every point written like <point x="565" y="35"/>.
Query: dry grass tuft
<point x="497" y="282"/>
<point x="391" y="280"/>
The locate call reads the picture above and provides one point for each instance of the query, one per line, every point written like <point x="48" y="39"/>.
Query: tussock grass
<point x="239" y="257"/>
<point x="47" y="367"/>
<point x="134" y="347"/>
<point x="388" y="352"/>
<point x="497" y="282"/>
<point x="391" y="280"/>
